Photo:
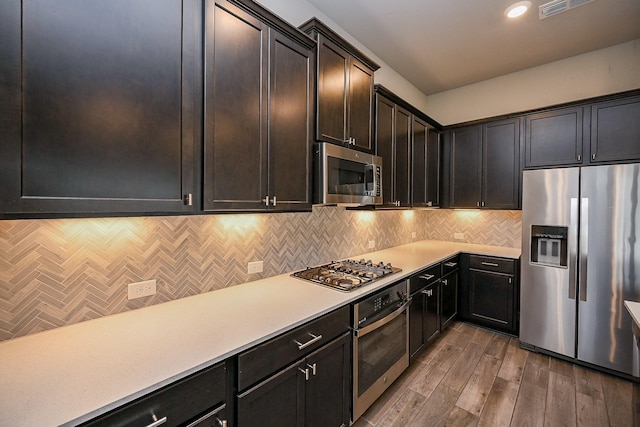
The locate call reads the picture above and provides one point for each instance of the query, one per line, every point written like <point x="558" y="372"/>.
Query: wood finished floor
<point x="474" y="377"/>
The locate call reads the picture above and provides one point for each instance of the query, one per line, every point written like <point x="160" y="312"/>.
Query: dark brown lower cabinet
<point x="490" y="294"/>
<point x="424" y="318"/>
<point x="197" y="400"/>
<point x="491" y="298"/>
<point x="313" y="391"/>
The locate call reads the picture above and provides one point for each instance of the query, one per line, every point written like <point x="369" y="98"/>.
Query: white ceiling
<point x="439" y="45"/>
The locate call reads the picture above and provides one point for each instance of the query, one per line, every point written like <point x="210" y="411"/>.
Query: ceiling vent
<point x="558" y="6"/>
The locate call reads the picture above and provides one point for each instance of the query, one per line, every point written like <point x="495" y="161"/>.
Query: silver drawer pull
<point x="427" y="276"/>
<point x="157" y="422"/>
<point x="313" y="369"/>
<point x="490" y="264"/>
<point x="428" y="292"/>
<point x="305" y="372"/>
<point x="451" y="264"/>
<point x="314" y="339"/>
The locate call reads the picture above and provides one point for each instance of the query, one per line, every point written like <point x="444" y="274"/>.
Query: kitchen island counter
<point x="71" y="374"/>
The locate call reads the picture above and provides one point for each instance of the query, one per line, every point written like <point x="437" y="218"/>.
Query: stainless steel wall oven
<point x="380" y="344"/>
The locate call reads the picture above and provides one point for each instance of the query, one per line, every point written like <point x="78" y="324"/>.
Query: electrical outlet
<point x="372" y="244"/>
<point x="413" y="235"/>
<point x="458" y="236"/>
<point x="255" y="267"/>
<point x="141" y="289"/>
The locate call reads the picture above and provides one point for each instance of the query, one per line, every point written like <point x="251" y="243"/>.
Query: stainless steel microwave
<point x="346" y="176"/>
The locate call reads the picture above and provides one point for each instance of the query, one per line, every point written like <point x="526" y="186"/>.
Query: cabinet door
<point x="432" y="311"/>
<point x="419" y="163"/>
<point x="491" y="298"/>
<point x="501" y="164"/>
<point x="402" y="166"/>
<point x="290" y="124"/>
<point x="278" y="401"/>
<point x="433" y="167"/>
<point x="417" y="324"/>
<point x="101" y="113"/>
<point x="554" y="138"/>
<point x="328" y="389"/>
<point x="466" y="158"/>
<point x="425" y="162"/>
<point x="235" y="167"/>
<point x="360" y="104"/>
<point x="333" y="73"/>
<point x="385" y="135"/>
<point x="449" y="305"/>
<point x="615" y="130"/>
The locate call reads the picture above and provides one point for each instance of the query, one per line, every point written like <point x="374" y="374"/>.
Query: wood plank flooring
<point x="475" y="377"/>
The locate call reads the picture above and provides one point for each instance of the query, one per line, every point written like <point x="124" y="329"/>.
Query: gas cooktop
<point x="346" y="275"/>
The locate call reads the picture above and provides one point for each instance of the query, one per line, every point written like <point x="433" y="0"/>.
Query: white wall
<point x="602" y="72"/>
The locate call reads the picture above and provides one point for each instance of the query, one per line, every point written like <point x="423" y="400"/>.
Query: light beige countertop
<point x="71" y="374"/>
<point x="634" y="310"/>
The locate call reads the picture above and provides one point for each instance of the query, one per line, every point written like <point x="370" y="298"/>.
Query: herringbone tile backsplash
<point x="63" y="271"/>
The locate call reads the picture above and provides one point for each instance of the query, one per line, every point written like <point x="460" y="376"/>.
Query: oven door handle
<point x="378" y="323"/>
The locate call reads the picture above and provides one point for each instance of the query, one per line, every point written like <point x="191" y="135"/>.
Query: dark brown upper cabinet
<point x="485" y="165"/>
<point x="554" y="138"/>
<point x="393" y="142"/>
<point x="99" y="106"/>
<point x="425" y="164"/>
<point x="258" y="112"/>
<point x="344" y="89"/>
<point x="615" y="130"/>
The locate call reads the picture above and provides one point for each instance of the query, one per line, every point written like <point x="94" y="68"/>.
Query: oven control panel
<point x="380" y="304"/>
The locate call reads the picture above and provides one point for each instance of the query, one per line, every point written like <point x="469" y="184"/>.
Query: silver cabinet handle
<point x="579" y="157"/>
<point x="266" y="200"/>
<point x="314" y="339"/>
<point x="188" y="199"/>
<point x="426" y="276"/>
<point x="490" y="264"/>
<point x="157" y="422"/>
<point x="274" y="201"/>
<point x="584" y="246"/>
<point x="452" y="264"/>
<point x="313" y="369"/>
<point x="445" y="282"/>
<point x="305" y="372"/>
<point x="428" y="292"/>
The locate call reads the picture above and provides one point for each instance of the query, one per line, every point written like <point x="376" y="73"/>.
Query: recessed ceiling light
<point x="517" y="9"/>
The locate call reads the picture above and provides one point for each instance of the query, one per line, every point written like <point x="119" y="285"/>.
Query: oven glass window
<point x="347" y="177"/>
<point x="379" y="350"/>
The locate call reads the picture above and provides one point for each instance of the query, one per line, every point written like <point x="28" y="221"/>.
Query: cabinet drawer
<point x="425" y="277"/>
<point x="499" y="265"/>
<point x="450" y="265"/>
<point x="266" y="358"/>
<point x="179" y="402"/>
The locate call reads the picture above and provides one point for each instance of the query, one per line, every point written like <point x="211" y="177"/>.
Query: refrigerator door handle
<point x="573" y="248"/>
<point x="584" y="246"/>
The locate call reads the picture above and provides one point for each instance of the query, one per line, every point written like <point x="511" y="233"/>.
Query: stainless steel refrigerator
<point x="580" y="261"/>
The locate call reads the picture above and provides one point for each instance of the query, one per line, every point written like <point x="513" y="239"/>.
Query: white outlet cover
<point x="255" y="267"/>
<point x="372" y="244"/>
<point x="458" y="236"/>
<point x="413" y="235"/>
<point x="141" y="289"/>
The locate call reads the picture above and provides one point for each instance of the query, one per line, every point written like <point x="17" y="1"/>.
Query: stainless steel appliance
<point x="380" y="344"/>
<point x="346" y="176"/>
<point x="580" y="261"/>
<point x="346" y="275"/>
